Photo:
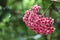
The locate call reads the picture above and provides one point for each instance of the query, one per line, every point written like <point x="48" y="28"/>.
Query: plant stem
<point x="47" y="9"/>
<point x="45" y="37"/>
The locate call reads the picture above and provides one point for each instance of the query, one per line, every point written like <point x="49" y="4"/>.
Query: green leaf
<point x="28" y="3"/>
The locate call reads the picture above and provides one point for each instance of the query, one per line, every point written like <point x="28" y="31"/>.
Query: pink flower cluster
<point x="38" y="23"/>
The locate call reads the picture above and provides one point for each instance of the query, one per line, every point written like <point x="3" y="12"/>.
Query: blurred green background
<point x="12" y="26"/>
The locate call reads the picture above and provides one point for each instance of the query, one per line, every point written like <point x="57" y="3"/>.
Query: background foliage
<point x="12" y="26"/>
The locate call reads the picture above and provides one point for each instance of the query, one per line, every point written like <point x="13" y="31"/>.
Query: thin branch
<point x="47" y="9"/>
<point x="45" y="37"/>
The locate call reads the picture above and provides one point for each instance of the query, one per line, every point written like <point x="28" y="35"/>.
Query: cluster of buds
<point x="38" y="23"/>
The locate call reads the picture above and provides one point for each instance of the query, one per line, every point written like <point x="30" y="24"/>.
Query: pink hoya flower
<point x="38" y="23"/>
<point x="36" y="8"/>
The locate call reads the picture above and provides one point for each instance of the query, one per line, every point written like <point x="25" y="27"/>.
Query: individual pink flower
<point x="36" y="8"/>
